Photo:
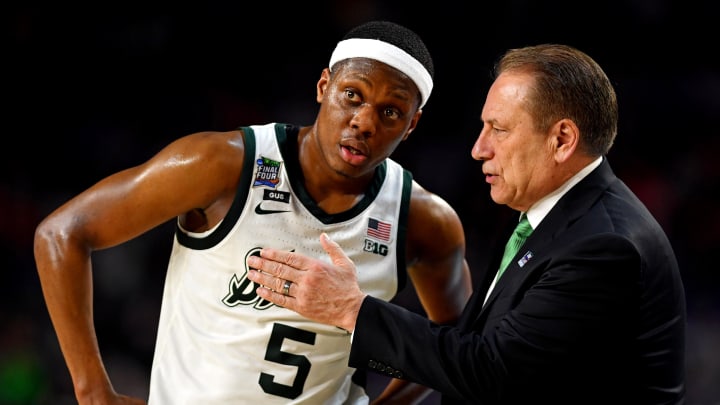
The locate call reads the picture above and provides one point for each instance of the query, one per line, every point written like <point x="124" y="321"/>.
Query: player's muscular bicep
<point x="210" y="176"/>
<point x="435" y="233"/>
<point x="194" y="171"/>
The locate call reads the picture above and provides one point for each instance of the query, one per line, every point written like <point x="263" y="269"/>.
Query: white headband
<point x="389" y="54"/>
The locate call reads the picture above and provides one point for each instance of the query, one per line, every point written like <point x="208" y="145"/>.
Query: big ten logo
<point x="241" y="290"/>
<point x="375" y="247"/>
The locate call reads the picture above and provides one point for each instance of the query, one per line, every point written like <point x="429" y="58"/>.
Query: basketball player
<point x="276" y="185"/>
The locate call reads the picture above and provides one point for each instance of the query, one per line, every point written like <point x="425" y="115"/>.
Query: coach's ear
<point x="564" y="138"/>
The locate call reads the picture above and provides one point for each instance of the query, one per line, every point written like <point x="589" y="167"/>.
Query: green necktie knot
<point x="521" y="232"/>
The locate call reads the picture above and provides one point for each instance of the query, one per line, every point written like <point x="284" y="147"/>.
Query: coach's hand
<point x="327" y="293"/>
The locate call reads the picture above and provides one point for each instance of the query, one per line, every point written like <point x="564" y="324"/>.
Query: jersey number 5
<point x="281" y="332"/>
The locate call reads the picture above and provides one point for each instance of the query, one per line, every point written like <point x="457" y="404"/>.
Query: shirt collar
<point x="540" y="209"/>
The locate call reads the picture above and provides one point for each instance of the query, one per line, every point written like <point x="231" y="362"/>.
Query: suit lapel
<point x="475" y="304"/>
<point x="536" y="248"/>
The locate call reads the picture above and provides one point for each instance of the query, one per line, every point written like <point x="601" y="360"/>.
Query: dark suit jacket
<point x="596" y="315"/>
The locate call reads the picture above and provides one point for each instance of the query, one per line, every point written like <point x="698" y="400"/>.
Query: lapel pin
<point x="526" y="257"/>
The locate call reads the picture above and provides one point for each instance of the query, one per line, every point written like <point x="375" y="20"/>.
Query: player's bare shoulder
<point x="428" y="206"/>
<point x="432" y="218"/>
<point x="209" y="167"/>
<point x="211" y="147"/>
<point x="205" y="155"/>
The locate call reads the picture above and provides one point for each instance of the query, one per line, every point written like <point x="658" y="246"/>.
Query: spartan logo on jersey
<point x="242" y="290"/>
<point x="267" y="172"/>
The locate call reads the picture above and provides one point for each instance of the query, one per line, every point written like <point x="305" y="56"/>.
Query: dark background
<point x="89" y="91"/>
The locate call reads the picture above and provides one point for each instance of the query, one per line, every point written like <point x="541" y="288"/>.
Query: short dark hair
<point x="398" y="35"/>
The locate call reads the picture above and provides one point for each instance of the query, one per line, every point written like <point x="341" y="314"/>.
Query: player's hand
<point x="111" y="399"/>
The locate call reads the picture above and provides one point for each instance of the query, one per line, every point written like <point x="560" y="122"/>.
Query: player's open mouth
<point x="352" y="155"/>
<point x="353" y="150"/>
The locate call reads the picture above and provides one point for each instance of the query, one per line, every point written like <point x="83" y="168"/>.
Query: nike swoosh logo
<point x="260" y="211"/>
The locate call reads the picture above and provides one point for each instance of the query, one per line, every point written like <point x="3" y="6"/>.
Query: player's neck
<point x="332" y="191"/>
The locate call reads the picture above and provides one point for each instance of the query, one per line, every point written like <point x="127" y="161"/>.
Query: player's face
<point x="367" y="108"/>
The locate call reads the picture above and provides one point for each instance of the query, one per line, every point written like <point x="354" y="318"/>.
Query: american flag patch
<point x="378" y="229"/>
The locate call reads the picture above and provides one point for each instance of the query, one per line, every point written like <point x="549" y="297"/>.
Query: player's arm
<point x="436" y="256"/>
<point x="196" y="172"/>
<point x="438" y="270"/>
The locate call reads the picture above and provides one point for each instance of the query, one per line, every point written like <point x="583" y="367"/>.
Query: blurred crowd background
<point x="91" y="90"/>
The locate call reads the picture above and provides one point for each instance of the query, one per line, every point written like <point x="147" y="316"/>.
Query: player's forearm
<point x="66" y="282"/>
<point x="78" y="343"/>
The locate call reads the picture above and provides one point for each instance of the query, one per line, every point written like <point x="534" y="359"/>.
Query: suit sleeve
<point x="394" y="341"/>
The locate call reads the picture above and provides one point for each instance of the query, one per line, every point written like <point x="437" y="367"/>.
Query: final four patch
<point x="267" y="172"/>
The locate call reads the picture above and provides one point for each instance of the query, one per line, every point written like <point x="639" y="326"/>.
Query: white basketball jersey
<point x="218" y="343"/>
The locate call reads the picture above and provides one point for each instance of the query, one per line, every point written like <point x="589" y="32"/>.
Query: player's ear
<point x="413" y="124"/>
<point x="322" y="84"/>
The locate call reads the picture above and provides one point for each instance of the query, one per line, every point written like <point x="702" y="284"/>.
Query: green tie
<point x="521" y="232"/>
